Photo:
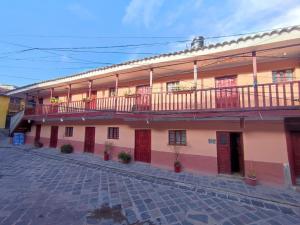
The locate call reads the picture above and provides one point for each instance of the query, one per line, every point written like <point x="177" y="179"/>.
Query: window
<point x="69" y="132"/>
<point x="112" y="92"/>
<point x="282" y="76"/>
<point x="113" y="133"/>
<point x="172" y="86"/>
<point x="177" y="137"/>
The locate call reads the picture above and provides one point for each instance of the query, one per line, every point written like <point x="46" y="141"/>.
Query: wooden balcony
<point x="239" y="98"/>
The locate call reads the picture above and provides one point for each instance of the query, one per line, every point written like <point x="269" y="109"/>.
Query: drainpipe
<point x="116" y="91"/>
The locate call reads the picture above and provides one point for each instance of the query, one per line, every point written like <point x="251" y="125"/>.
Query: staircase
<point x="4" y="137"/>
<point x="15" y="121"/>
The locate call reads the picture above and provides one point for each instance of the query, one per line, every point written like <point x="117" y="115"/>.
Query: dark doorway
<point x="237" y="156"/>
<point x="230" y="153"/>
<point x="89" y="140"/>
<point x="38" y="133"/>
<point x="53" y="136"/>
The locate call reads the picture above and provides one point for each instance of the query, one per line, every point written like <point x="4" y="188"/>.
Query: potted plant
<point x="251" y="179"/>
<point x="182" y="89"/>
<point x="107" y="149"/>
<point x="177" y="163"/>
<point x="87" y="99"/>
<point x="67" y="149"/>
<point x="38" y="144"/>
<point x="54" y="100"/>
<point x="177" y="166"/>
<point x="129" y="94"/>
<point x="124" y="157"/>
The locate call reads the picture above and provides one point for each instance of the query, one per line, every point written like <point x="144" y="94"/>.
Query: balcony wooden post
<point x="69" y="93"/>
<point x="37" y="97"/>
<point x="51" y="93"/>
<point x="90" y="89"/>
<point x="116" y="91"/>
<point x="254" y="64"/>
<point x="151" y="84"/>
<point x="69" y="96"/>
<point x="151" y="79"/>
<point x="195" y="84"/>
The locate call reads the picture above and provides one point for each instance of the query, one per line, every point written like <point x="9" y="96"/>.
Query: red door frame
<point x="142" y="145"/>
<point x="143" y="97"/>
<point x="226" y="98"/>
<point x="291" y="153"/>
<point x="37" y="132"/>
<point x="224" y="152"/>
<point x="91" y="103"/>
<point x="89" y="139"/>
<point x="291" y="125"/>
<point x="53" y="137"/>
<point x="241" y="154"/>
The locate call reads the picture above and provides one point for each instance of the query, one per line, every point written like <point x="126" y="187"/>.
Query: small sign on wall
<point x="211" y="141"/>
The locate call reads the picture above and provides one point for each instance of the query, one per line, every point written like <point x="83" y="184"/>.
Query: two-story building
<point x="227" y="108"/>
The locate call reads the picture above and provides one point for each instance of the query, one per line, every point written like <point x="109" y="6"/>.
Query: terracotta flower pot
<point x="251" y="181"/>
<point x="106" y="156"/>
<point x="177" y="168"/>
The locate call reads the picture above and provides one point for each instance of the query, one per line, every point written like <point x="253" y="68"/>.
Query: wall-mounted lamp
<point x="29" y="121"/>
<point x="43" y="120"/>
<point x="83" y="119"/>
<point x="61" y="120"/>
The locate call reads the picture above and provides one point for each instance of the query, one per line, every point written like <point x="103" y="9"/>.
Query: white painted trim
<point x="248" y="43"/>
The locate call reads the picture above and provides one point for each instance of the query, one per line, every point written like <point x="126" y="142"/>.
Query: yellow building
<point x="4" y="104"/>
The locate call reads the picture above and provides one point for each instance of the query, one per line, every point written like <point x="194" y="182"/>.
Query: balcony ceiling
<point x="208" y="62"/>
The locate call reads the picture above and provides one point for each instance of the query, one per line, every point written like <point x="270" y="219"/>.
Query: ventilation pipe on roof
<point x="197" y="42"/>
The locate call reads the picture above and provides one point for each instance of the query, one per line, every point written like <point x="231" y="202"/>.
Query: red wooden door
<point x="53" y="136"/>
<point x="241" y="154"/>
<point x="142" y="149"/>
<point x="223" y="152"/>
<point x="91" y="103"/>
<point x="295" y="140"/>
<point x="89" y="139"/>
<point x="143" y="97"/>
<point x="37" y="133"/>
<point x="226" y="97"/>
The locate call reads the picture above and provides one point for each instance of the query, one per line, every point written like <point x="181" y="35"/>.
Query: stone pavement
<point x="191" y="180"/>
<point x="45" y="187"/>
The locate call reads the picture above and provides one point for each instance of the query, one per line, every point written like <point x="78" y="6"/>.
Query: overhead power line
<point x="137" y="36"/>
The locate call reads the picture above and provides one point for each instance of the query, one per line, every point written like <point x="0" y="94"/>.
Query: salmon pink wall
<point x="265" y="142"/>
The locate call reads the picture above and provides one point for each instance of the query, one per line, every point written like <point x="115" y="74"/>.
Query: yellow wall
<point x="4" y="103"/>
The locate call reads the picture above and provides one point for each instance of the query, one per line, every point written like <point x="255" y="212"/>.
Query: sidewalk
<point x="184" y="180"/>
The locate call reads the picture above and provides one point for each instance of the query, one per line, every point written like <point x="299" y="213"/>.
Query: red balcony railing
<point x="279" y="95"/>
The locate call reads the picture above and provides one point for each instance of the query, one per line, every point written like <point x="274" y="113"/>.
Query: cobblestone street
<point x="42" y="186"/>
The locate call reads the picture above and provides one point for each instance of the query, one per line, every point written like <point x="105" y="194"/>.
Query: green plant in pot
<point x="177" y="163"/>
<point x="38" y="144"/>
<point x="67" y="149"/>
<point x="107" y="150"/>
<point x="251" y="179"/>
<point x="124" y="157"/>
